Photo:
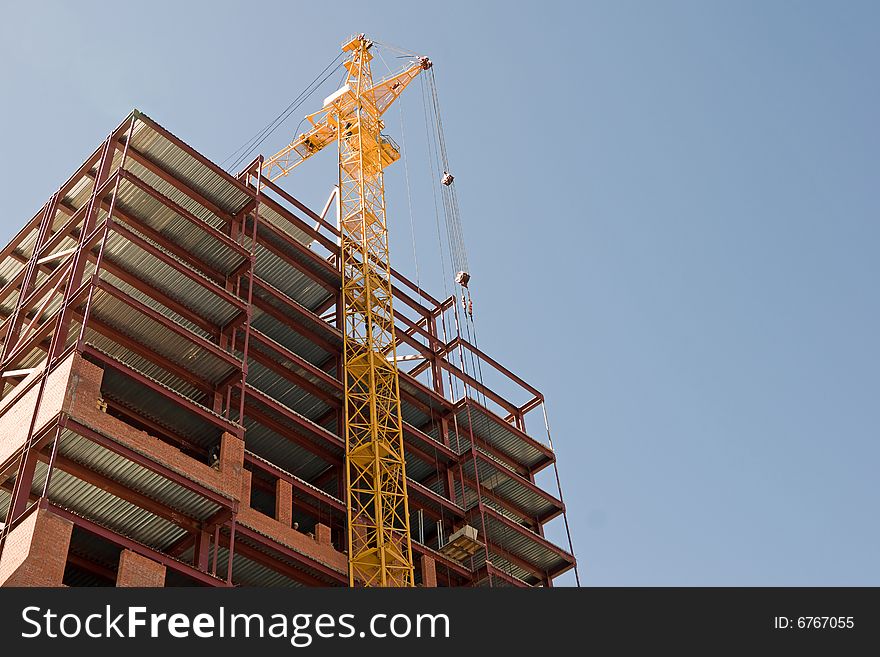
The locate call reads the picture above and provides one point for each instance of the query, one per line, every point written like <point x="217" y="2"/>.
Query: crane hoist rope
<point x="451" y="211"/>
<point x="379" y="545"/>
<point x="241" y="154"/>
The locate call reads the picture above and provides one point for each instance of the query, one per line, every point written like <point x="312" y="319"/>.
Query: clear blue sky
<point x="671" y="211"/>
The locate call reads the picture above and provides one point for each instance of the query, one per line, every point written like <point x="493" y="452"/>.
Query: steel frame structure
<point x="235" y="344"/>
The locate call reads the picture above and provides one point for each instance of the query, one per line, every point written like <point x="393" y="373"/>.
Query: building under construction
<point x="173" y="403"/>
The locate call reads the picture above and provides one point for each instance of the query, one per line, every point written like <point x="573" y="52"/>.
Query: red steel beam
<point x="489" y="511"/>
<point x="42" y="332"/>
<point x="170" y="246"/>
<point x="90" y="566"/>
<point x="309" y="230"/>
<point x="329" y="244"/>
<point x="193" y="153"/>
<point x="291" y="554"/>
<point x="185" y="402"/>
<point x="492" y="570"/>
<point x="505" y="504"/>
<point x="522" y="481"/>
<point x="177" y="266"/>
<point x="66" y="230"/>
<point x="274" y="312"/>
<point x="28" y="228"/>
<point x="509" y="427"/>
<point x="507" y="459"/>
<point x="439" y="400"/>
<point x="303" y="504"/>
<point x="265" y="560"/>
<point x="446" y="453"/>
<point x="84" y="168"/>
<point x="330" y="280"/>
<point x="417" y="489"/>
<point x="530" y="568"/>
<point x="127" y="277"/>
<point x="442" y="560"/>
<point x="163" y="433"/>
<point x="297" y="483"/>
<point x="294" y="378"/>
<point x="303" y="423"/>
<point x="13" y="284"/>
<point x="185" y="214"/>
<point x="123" y="492"/>
<point x="169" y="324"/>
<point x="150" y="464"/>
<point x="494" y="363"/>
<point x="127" y="543"/>
<point x="169" y="178"/>
<point x="315" y="447"/>
<point x="123" y="340"/>
<point x="296" y="359"/>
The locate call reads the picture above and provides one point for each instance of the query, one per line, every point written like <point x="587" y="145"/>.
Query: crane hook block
<point x="447" y="178"/>
<point x="462" y="278"/>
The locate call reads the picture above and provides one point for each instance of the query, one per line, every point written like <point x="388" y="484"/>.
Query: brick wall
<point x="231" y="480"/>
<point x="319" y="550"/>
<point x="429" y="572"/>
<point x="75" y="388"/>
<point x="137" y="570"/>
<point x="35" y="553"/>
<point x="284" y="502"/>
<point x="81" y="403"/>
<point x="17" y="409"/>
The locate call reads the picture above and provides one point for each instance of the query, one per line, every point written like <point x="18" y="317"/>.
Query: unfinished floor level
<point x="172" y="411"/>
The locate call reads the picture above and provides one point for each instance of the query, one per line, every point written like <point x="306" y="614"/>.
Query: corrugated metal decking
<point x="209" y="306"/>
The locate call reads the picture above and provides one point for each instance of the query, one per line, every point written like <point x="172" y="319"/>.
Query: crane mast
<point x="379" y="546"/>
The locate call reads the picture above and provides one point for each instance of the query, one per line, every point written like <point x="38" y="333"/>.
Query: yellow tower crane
<point x="379" y="548"/>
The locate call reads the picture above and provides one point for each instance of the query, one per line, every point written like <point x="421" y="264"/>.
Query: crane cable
<point x="421" y="300"/>
<point x="455" y="231"/>
<point x="453" y="384"/>
<point x="403" y="53"/>
<point x="440" y="247"/>
<point x="458" y="256"/>
<point x="450" y="197"/>
<point x="442" y="522"/>
<point x="243" y="151"/>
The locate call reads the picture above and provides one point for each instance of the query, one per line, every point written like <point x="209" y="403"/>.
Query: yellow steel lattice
<point x="379" y="548"/>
